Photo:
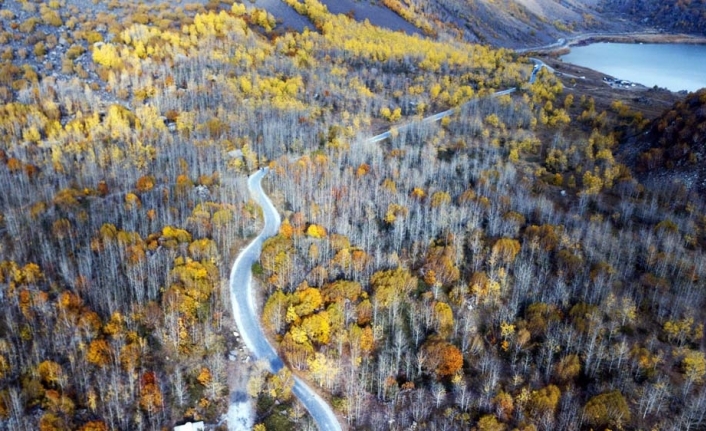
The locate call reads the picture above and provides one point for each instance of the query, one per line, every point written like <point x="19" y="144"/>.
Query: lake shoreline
<point x="674" y="65"/>
<point x="564" y="46"/>
<point x="656" y="38"/>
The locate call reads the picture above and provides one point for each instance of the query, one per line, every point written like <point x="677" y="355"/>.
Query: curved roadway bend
<point x="244" y="310"/>
<point x="247" y="318"/>
<point x="432" y="118"/>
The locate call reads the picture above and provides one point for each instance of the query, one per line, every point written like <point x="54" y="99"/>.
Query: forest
<point x="678" y="16"/>
<point x="504" y="268"/>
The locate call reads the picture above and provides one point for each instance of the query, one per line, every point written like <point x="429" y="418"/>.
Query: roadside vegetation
<point x="500" y="269"/>
<point x="495" y="280"/>
<point x="673" y="15"/>
<point x="124" y="154"/>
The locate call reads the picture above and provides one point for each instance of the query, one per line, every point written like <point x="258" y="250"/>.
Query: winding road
<point x="538" y="65"/>
<point x="248" y="320"/>
<point x="436" y="117"/>
<point x="241" y="290"/>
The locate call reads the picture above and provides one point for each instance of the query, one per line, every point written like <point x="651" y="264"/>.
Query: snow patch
<point x="240" y="415"/>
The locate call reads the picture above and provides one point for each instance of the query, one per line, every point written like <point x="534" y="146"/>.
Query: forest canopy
<point x="501" y="268"/>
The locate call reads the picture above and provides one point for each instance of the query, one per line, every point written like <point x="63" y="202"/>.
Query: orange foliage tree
<point x="150" y="394"/>
<point x="442" y="358"/>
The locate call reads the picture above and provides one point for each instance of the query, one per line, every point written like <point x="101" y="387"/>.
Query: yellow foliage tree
<point x="316" y="231"/>
<point x="341" y="290"/>
<point x="94" y="426"/>
<point x="544" y="400"/>
<point x="286" y="229"/>
<point x="444" y="319"/>
<point x="279" y="385"/>
<point x="694" y="366"/>
<point x="99" y="352"/>
<point x="322" y="369"/>
<point x="307" y="301"/>
<point x="391" y="285"/>
<point x="106" y="54"/>
<point x="50" y="372"/>
<point x="171" y="236"/>
<point x="568" y="368"/>
<point x="506" y="249"/>
<point x="204" y="377"/>
<point x="439" y="199"/>
<point x="317" y="327"/>
<point x="607" y="409"/>
<point x="361" y="339"/>
<point x="51" y="422"/>
<point x="490" y="423"/>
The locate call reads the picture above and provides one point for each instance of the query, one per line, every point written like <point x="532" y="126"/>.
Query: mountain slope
<point x="674" y="147"/>
<point x="687" y="16"/>
<point x="513" y="23"/>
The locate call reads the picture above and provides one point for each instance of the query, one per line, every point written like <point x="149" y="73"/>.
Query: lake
<point x="673" y="66"/>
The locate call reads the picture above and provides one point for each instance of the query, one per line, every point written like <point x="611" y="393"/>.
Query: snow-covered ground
<point x="240" y="413"/>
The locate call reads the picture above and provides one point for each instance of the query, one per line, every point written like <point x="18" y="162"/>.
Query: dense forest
<point x="678" y="16"/>
<point x="125" y="150"/>
<point x="673" y="146"/>
<point x="503" y="268"/>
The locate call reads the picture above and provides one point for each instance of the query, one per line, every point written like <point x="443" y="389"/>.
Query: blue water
<point x="673" y="66"/>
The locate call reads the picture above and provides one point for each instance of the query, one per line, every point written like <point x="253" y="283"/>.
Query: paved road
<point x="560" y="43"/>
<point x="432" y="118"/>
<point x="244" y="310"/>
<point x="247" y="318"/>
<point x="567" y="43"/>
<point x="538" y="65"/>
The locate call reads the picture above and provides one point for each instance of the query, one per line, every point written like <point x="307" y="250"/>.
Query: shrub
<point x="74" y="52"/>
<point x="40" y="49"/>
<point x="607" y="409"/>
<point x="51" y="17"/>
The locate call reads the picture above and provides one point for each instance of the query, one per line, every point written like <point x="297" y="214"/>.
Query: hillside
<point x="511" y="23"/>
<point x="529" y="23"/>
<point x="673" y="147"/>
<point x="508" y="23"/>
<point x="128" y="132"/>
<point x="509" y="266"/>
<point x="671" y="15"/>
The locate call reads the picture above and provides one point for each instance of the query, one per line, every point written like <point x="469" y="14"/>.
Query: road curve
<point x="432" y="118"/>
<point x="247" y="318"/>
<point x="538" y="65"/>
